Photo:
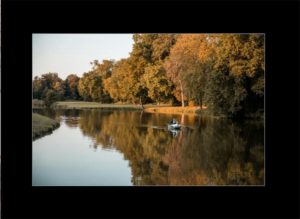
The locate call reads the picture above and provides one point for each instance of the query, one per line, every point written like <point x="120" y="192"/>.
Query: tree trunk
<point x="141" y="116"/>
<point x="200" y="102"/>
<point x="141" y="103"/>
<point x="182" y="98"/>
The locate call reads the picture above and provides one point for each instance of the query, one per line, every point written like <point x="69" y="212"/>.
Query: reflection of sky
<point x="72" y="162"/>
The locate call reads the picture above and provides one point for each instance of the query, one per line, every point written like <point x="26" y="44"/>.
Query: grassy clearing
<point x="42" y="125"/>
<point x="151" y="108"/>
<point x="94" y="105"/>
<point x="38" y="104"/>
<point x="90" y="105"/>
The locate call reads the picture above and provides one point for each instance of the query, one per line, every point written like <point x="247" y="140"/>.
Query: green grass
<point x="42" y="125"/>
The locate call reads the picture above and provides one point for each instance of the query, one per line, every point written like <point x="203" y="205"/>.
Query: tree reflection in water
<point x="206" y="151"/>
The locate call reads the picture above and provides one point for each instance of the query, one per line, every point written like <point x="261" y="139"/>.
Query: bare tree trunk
<point x="141" y="103"/>
<point x="201" y="102"/>
<point x="182" y="98"/>
<point x="141" y="116"/>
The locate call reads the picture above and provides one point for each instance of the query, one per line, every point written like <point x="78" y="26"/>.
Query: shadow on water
<point x="205" y="151"/>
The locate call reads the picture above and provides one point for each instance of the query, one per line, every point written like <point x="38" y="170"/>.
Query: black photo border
<point x="279" y="20"/>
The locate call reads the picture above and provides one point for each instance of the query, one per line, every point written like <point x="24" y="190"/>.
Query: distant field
<point x="38" y="104"/>
<point x="81" y="105"/>
<point x="42" y="125"/>
<point x="151" y="108"/>
<point x="94" y="105"/>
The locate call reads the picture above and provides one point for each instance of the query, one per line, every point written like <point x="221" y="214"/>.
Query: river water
<point x="125" y="148"/>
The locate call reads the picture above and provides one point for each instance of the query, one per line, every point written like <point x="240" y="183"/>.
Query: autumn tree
<point x="71" y="87"/>
<point x="149" y="52"/>
<point x="236" y="83"/>
<point x="91" y="85"/>
<point x="161" y="46"/>
<point x="37" y="88"/>
<point x="49" y="81"/>
<point x="184" y="67"/>
<point x="121" y="84"/>
<point x="59" y="90"/>
<point x="50" y="97"/>
<point x="222" y="71"/>
<point x="125" y="81"/>
<point x="129" y="79"/>
<point x="159" y="87"/>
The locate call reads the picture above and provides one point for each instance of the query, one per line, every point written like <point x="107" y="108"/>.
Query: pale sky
<point x="72" y="53"/>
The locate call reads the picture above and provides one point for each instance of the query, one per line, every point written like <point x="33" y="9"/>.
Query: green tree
<point x="103" y="69"/>
<point x="195" y="80"/>
<point x="37" y="88"/>
<point x="91" y="85"/>
<point x="158" y="86"/>
<point x="50" y="97"/>
<point x="91" y="88"/>
<point x="120" y="84"/>
<point x="236" y="84"/>
<point x="59" y="89"/>
<point x="129" y="80"/>
<point x="161" y="46"/>
<point x="148" y="50"/>
<point x="49" y="81"/>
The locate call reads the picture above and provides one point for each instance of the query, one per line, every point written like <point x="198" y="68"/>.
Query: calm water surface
<point x="124" y="148"/>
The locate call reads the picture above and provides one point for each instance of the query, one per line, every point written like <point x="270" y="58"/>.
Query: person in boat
<point x="173" y="121"/>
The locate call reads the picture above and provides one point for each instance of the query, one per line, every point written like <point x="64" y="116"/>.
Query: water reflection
<point x="205" y="151"/>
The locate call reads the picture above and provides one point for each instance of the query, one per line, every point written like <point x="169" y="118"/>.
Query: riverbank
<point x="95" y="105"/>
<point x="38" y="104"/>
<point x="149" y="108"/>
<point x="176" y="110"/>
<point x="92" y="105"/>
<point x="42" y="125"/>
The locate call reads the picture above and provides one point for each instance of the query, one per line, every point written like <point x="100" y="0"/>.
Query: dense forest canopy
<point x="224" y="72"/>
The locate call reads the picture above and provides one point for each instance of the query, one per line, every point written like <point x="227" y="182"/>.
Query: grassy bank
<point x="42" y="125"/>
<point x="95" y="105"/>
<point x="175" y="110"/>
<point x="150" y="108"/>
<point x="38" y="104"/>
<point x="91" y="105"/>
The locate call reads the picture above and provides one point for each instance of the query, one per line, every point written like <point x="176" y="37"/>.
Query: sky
<point x="72" y="53"/>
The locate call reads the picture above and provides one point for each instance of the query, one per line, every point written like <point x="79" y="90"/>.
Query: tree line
<point x="224" y="72"/>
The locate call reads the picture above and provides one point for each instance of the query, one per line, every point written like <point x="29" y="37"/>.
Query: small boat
<point x="174" y="132"/>
<point x="174" y="126"/>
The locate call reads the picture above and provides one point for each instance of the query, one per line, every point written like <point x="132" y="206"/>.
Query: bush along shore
<point x="42" y="125"/>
